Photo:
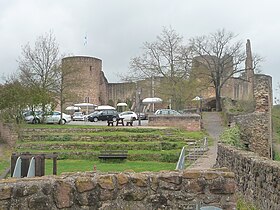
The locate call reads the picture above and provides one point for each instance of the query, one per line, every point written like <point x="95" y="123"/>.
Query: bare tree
<point x="39" y="66"/>
<point x="221" y="56"/>
<point x="66" y="81"/>
<point x="167" y="57"/>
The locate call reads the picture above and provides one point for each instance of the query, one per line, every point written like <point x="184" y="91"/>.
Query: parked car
<point x="78" y="116"/>
<point x="128" y="115"/>
<point x="143" y="116"/>
<point x="32" y="117"/>
<point x="103" y="115"/>
<point x="166" y="112"/>
<point x="54" y="117"/>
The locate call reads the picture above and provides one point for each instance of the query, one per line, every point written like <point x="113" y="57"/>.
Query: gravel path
<point x="212" y="123"/>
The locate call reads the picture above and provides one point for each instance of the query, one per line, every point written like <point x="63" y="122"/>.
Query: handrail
<point x="197" y="149"/>
<point x="181" y="162"/>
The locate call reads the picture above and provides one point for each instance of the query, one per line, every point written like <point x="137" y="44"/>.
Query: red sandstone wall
<point x="190" y="122"/>
<point x="86" y="78"/>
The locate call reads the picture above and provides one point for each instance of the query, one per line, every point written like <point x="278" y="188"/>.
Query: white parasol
<point x="105" y="107"/>
<point x="121" y="104"/>
<point x="85" y="105"/>
<point x="151" y="100"/>
<point x="72" y="108"/>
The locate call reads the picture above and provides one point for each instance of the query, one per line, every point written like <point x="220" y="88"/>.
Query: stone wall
<point x="256" y="127"/>
<point x="120" y="92"/>
<point x="8" y="134"/>
<point x="164" y="190"/>
<point x="190" y="122"/>
<point x="257" y="177"/>
<point x="88" y="83"/>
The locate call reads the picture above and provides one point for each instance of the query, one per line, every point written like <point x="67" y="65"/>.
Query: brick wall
<point x="190" y="122"/>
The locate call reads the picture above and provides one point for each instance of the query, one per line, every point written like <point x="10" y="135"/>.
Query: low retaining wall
<point x="164" y="190"/>
<point x="190" y="122"/>
<point x="258" y="178"/>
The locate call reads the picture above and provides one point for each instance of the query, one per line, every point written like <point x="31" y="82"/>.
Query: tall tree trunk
<point x="218" y="99"/>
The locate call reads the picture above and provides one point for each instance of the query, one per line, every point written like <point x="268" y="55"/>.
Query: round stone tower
<point x="84" y="80"/>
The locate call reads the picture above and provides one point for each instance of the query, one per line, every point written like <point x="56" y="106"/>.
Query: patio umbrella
<point x="72" y="108"/>
<point x="121" y="104"/>
<point x="104" y="107"/>
<point x="151" y="100"/>
<point x="87" y="105"/>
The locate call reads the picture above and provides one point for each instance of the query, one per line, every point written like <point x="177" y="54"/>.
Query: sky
<point x="115" y="30"/>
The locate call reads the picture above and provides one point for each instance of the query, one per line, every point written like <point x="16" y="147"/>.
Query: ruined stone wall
<point x="256" y="127"/>
<point x="121" y="91"/>
<point x="8" y="135"/>
<point x="257" y="177"/>
<point x="188" y="189"/>
<point x="190" y="122"/>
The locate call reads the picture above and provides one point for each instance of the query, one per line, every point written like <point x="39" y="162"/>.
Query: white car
<point x="78" y="116"/>
<point x="128" y="115"/>
<point x="166" y="112"/>
<point x="32" y="117"/>
<point x="54" y="117"/>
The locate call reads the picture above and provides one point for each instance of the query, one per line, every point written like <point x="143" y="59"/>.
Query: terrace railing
<point x="192" y="152"/>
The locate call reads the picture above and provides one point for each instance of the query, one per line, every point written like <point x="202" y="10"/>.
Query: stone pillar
<point x="263" y="99"/>
<point x="249" y="72"/>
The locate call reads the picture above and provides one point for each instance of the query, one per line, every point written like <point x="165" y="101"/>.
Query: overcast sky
<point x="116" y="29"/>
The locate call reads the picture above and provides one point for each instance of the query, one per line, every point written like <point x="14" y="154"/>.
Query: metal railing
<point x="194" y="150"/>
<point x="181" y="162"/>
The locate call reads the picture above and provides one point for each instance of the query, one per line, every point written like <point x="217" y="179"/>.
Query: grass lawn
<point x="150" y="149"/>
<point x="87" y="165"/>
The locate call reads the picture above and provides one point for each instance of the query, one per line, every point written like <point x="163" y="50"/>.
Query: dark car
<point x="103" y="115"/>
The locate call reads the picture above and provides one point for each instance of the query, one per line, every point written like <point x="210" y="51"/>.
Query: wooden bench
<point x="113" y="154"/>
<point x="110" y="122"/>
<point x="119" y="122"/>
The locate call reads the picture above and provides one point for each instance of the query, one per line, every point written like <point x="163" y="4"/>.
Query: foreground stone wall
<point x="8" y="134"/>
<point x="149" y="191"/>
<point x="257" y="177"/>
<point x="190" y="122"/>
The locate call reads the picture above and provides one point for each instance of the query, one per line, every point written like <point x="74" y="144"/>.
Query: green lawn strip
<point x="135" y="155"/>
<point x="88" y="165"/>
<point x="33" y="151"/>
<point x="104" y="145"/>
<point x="193" y="135"/>
<point x="122" y="130"/>
<point x="89" y="137"/>
<point x="96" y="127"/>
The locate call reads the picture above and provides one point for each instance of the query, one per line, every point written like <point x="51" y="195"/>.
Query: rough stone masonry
<point x="88" y="190"/>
